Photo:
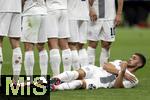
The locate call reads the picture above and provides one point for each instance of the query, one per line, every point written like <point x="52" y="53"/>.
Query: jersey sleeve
<point x="128" y="84"/>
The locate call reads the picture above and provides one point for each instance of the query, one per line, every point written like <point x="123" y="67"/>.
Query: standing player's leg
<point x="43" y="59"/>
<point x="66" y="54"/>
<point x="83" y="56"/>
<point x="5" y="19"/>
<point x="43" y="55"/>
<point x="93" y="39"/>
<point x="107" y="37"/>
<point x="73" y="40"/>
<point x="63" y="40"/>
<point x="14" y="37"/>
<point x="105" y="52"/>
<point x="91" y="50"/>
<point x="31" y="25"/>
<point x="52" y="35"/>
<point x="29" y="59"/>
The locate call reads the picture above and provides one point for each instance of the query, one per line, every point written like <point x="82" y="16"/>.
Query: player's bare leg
<point x="16" y="58"/>
<point x="55" y="58"/>
<point x="91" y="50"/>
<point x="66" y="54"/>
<point x="105" y="52"/>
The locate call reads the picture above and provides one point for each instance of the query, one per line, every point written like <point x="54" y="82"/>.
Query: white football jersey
<point x="10" y="5"/>
<point x="105" y="9"/>
<point x="56" y="4"/>
<point x="126" y="83"/>
<point x="78" y="9"/>
<point x="35" y="7"/>
<point x="107" y="79"/>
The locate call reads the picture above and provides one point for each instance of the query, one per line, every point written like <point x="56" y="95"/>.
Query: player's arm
<point x="112" y="69"/>
<point x="119" y="79"/>
<point x="92" y="12"/>
<point x="119" y="12"/>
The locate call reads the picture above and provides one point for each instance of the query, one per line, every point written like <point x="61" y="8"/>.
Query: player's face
<point x="134" y="61"/>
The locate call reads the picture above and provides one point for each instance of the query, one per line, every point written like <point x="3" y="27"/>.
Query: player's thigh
<point x="94" y="29"/>
<point x="30" y="28"/>
<point x="83" y="31"/>
<point x="15" y="26"/>
<point x="5" y="20"/>
<point x="89" y="71"/>
<point x="74" y="31"/>
<point x="52" y="28"/>
<point x="108" y="31"/>
<point x="64" y="25"/>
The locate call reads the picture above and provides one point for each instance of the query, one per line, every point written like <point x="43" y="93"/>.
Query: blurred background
<point x="136" y="13"/>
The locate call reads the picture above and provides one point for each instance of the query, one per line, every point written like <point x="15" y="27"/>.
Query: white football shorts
<point x="101" y="30"/>
<point x="57" y="24"/>
<point x="10" y="24"/>
<point x="33" y="29"/>
<point x="78" y="31"/>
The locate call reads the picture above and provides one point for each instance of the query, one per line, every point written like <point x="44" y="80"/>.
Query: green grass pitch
<point x="128" y="41"/>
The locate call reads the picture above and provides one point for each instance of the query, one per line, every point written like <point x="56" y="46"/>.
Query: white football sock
<point x="104" y="56"/>
<point x="67" y="59"/>
<point x="75" y="60"/>
<point x="43" y="59"/>
<point x="29" y="62"/>
<point x="91" y="55"/>
<point x="68" y="76"/>
<point x="55" y="61"/>
<point x="1" y="59"/>
<point x="83" y="57"/>
<point x="69" y="86"/>
<point x="16" y="62"/>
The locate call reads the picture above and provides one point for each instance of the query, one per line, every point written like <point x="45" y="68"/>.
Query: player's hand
<point x="129" y="77"/>
<point x="92" y="14"/>
<point x="117" y="20"/>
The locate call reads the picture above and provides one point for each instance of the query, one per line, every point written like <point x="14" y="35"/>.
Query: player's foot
<point x="55" y="81"/>
<point x="41" y="81"/>
<point x="15" y="84"/>
<point x="52" y="88"/>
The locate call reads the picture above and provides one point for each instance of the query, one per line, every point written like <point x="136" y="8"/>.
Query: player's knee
<point x="93" y="44"/>
<point x="40" y="47"/>
<point x="81" y="74"/>
<point x="106" y="45"/>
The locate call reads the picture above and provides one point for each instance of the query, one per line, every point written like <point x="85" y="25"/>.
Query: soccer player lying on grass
<point x="116" y="74"/>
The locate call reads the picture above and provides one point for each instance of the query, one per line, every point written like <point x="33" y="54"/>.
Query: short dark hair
<point x="142" y="58"/>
